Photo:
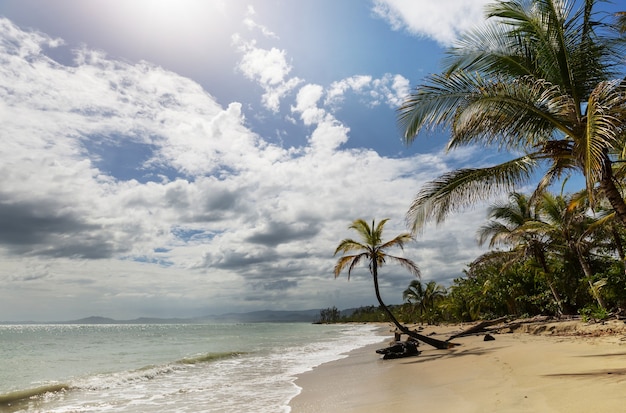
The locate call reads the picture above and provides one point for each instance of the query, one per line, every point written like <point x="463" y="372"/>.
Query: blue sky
<point x="176" y="158"/>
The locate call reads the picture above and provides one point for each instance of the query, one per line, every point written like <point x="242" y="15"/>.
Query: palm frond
<point x="398" y="241"/>
<point x="512" y="114"/>
<point x="434" y="104"/>
<point x="496" y="232"/>
<point x="350" y="261"/>
<point x="348" y="245"/>
<point x="605" y="125"/>
<point x="406" y="264"/>
<point x="458" y="189"/>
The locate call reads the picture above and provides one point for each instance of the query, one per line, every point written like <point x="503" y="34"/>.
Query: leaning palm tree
<point x="539" y="81"/>
<point x="373" y="250"/>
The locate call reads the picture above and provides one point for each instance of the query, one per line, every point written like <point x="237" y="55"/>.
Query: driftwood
<point x="478" y="328"/>
<point x="483" y="326"/>
<point x="440" y="344"/>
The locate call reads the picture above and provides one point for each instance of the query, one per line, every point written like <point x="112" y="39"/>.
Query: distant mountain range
<point x="265" y="316"/>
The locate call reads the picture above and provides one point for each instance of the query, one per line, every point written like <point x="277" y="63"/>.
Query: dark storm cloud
<point x="281" y="233"/>
<point x="244" y="262"/>
<point x="30" y="228"/>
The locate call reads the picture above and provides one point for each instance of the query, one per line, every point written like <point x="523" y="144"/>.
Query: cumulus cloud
<point x="269" y="68"/>
<point x="389" y="89"/>
<point x="440" y="20"/>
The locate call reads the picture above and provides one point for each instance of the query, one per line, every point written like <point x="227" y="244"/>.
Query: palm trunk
<point x="442" y="345"/>
<point x="589" y="275"/>
<point x="611" y="192"/>
<point x="540" y="256"/>
<point x="619" y="247"/>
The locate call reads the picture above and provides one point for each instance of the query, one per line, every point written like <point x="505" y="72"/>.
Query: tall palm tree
<point x="540" y="81"/>
<point x="373" y="250"/>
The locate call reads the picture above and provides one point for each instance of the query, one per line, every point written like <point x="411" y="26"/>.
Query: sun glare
<point x="163" y="26"/>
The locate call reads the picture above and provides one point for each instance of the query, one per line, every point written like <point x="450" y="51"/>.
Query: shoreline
<point x="541" y="367"/>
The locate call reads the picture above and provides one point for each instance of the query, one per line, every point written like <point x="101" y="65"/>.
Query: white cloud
<point x="307" y="104"/>
<point x="269" y="68"/>
<point x="389" y="89"/>
<point x="440" y="20"/>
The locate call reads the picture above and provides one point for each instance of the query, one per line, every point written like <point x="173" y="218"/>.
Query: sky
<point x="181" y="158"/>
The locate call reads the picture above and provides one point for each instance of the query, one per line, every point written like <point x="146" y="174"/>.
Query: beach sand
<point x="566" y="366"/>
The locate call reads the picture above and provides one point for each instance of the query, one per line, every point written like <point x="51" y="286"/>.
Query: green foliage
<point x="369" y="314"/>
<point x="329" y="315"/>
<point x="593" y="313"/>
<point x="560" y="259"/>
<point x="424" y="301"/>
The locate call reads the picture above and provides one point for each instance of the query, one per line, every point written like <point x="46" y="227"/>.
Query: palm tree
<point x="538" y="81"/>
<point x="424" y="299"/>
<point x="373" y="250"/>
<point x="570" y="227"/>
<point x="518" y="225"/>
<point x="433" y="294"/>
<point x="414" y="294"/>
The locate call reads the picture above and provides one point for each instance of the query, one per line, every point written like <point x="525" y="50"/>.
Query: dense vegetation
<point x="549" y="256"/>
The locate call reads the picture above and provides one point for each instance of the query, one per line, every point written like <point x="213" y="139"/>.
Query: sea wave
<point x="209" y="357"/>
<point x="106" y="381"/>
<point x="9" y="399"/>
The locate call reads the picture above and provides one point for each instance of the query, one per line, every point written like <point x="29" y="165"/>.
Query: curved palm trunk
<point x="442" y="345"/>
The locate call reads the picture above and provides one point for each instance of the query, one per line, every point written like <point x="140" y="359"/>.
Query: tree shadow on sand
<point x="427" y="357"/>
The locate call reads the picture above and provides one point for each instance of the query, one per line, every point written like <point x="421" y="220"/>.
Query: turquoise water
<point x="165" y="367"/>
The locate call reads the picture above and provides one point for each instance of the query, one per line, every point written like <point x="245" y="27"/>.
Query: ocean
<point x="165" y="367"/>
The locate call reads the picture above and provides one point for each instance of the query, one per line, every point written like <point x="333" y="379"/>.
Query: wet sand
<point x="544" y="367"/>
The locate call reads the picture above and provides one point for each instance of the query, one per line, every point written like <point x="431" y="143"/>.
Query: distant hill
<point x="266" y="316"/>
<point x="142" y="320"/>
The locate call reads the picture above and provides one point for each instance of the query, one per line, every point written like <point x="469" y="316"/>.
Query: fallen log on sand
<point x="483" y="326"/>
<point x="480" y="327"/>
<point x="440" y="344"/>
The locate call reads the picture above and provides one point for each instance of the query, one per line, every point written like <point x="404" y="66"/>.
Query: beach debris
<point x="399" y="350"/>
<point x="489" y="337"/>
<point x="439" y="344"/>
<point x="501" y="323"/>
<point x="478" y="328"/>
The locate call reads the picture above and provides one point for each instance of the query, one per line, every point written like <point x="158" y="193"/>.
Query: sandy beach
<point x="567" y="366"/>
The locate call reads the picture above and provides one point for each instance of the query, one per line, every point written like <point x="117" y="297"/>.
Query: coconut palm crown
<point x="539" y="80"/>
